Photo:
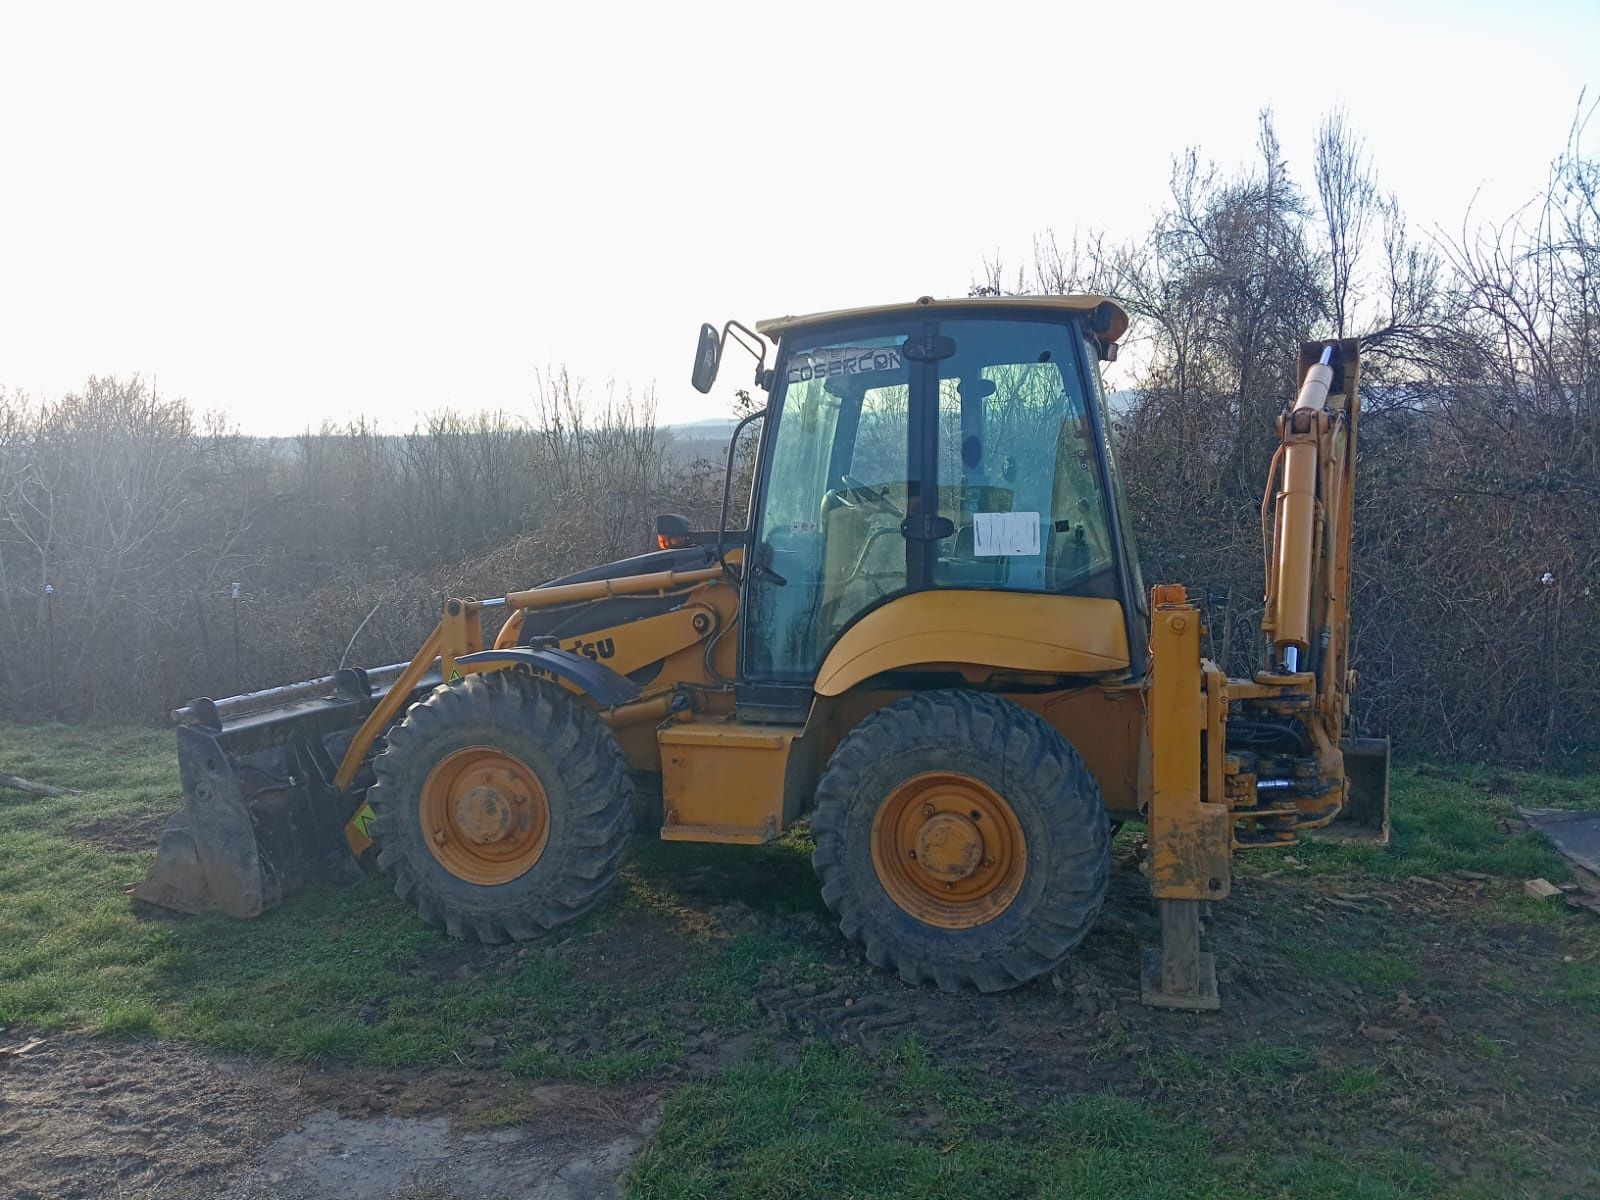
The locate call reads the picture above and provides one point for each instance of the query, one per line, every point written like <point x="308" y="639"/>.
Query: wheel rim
<point x="485" y="815"/>
<point x="949" y="850"/>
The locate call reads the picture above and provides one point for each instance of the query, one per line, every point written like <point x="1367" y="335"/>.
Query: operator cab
<point x="941" y="445"/>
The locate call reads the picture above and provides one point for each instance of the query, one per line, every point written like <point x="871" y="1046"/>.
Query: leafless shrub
<point x="1479" y="503"/>
<point x="126" y="524"/>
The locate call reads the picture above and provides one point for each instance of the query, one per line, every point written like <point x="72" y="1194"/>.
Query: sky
<point x="292" y="213"/>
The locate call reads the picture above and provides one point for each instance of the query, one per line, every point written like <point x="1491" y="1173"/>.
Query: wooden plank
<point x="1540" y="889"/>
<point x="38" y="789"/>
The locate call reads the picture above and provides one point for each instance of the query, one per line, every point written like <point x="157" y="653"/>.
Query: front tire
<point x="502" y="807"/>
<point x="961" y="840"/>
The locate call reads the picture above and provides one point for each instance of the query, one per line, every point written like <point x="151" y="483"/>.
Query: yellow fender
<point x="1008" y="631"/>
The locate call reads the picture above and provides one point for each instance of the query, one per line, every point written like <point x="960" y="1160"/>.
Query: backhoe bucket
<point x="1365" y="816"/>
<point x="261" y="819"/>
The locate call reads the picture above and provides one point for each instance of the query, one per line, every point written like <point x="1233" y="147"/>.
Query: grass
<point x="349" y="976"/>
<point x="341" y="974"/>
<point x="833" y="1124"/>
<point x="1487" y="1047"/>
<point x="1355" y="1081"/>
<point x="1577" y="982"/>
<point x="1381" y="971"/>
<point x="1265" y="1062"/>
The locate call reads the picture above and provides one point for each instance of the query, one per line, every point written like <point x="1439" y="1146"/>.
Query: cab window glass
<point x="1017" y="469"/>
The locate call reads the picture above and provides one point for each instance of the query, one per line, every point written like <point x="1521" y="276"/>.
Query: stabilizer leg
<point x="1178" y="975"/>
<point x="1191" y="828"/>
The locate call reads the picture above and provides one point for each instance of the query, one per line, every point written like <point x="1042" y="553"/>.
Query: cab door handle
<point x="927" y="527"/>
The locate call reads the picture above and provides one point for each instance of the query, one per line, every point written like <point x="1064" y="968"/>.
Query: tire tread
<point x="598" y="816"/>
<point x="1031" y="754"/>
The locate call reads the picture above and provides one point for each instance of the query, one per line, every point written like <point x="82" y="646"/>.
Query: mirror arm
<point x="727" y="477"/>
<point x="755" y="346"/>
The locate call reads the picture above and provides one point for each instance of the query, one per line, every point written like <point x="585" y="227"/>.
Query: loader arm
<point x="458" y="635"/>
<point x="456" y="644"/>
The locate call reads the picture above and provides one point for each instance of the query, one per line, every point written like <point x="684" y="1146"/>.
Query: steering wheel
<point x="863" y="495"/>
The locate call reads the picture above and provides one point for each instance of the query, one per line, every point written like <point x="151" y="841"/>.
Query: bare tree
<point x="1350" y="207"/>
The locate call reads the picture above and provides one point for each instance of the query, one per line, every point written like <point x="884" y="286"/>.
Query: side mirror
<point x="672" y="531"/>
<point x="706" y="358"/>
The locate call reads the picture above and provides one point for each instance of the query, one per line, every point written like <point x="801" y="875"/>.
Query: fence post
<point x="1551" y="582"/>
<point x="238" y="674"/>
<point x="54" y="692"/>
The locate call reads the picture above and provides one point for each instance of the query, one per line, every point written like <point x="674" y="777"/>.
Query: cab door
<point x="829" y="540"/>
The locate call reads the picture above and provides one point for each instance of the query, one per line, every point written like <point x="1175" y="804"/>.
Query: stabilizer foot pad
<point x="1203" y="997"/>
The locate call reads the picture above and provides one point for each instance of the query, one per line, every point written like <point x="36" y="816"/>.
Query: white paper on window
<point x="1005" y="534"/>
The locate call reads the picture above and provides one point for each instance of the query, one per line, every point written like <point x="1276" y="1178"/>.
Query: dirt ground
<point x="86" y="1118"/>
<point x="1404" y="1015"/>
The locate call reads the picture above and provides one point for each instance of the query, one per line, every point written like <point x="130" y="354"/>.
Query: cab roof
<point x="777" y="327"/>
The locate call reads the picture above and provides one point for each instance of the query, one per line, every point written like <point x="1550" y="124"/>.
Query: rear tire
<point x="550" y="747"/>
<point x="905" y="779"/>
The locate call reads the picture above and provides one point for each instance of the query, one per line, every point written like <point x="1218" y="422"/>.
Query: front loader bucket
<point x="250" y="831"/>
<point x="261" y="818"/>
<point x="1365" y="816"/>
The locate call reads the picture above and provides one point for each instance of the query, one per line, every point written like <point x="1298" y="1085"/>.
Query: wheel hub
<point x="485" y="814"/>
<point x="949" y="850"/>
<point x="949" y="846"/>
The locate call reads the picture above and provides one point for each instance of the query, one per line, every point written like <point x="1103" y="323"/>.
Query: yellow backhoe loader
<point x="932" y="640"/>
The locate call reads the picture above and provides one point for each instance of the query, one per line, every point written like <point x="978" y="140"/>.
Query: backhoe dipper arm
<point x="1307" y="614"/>
<point x="1303" y="430"/>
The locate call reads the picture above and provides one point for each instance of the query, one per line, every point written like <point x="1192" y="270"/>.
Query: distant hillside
<point x="718" y="427"/>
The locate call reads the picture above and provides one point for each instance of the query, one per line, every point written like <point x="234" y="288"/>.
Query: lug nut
<point x="927" y="810"/>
